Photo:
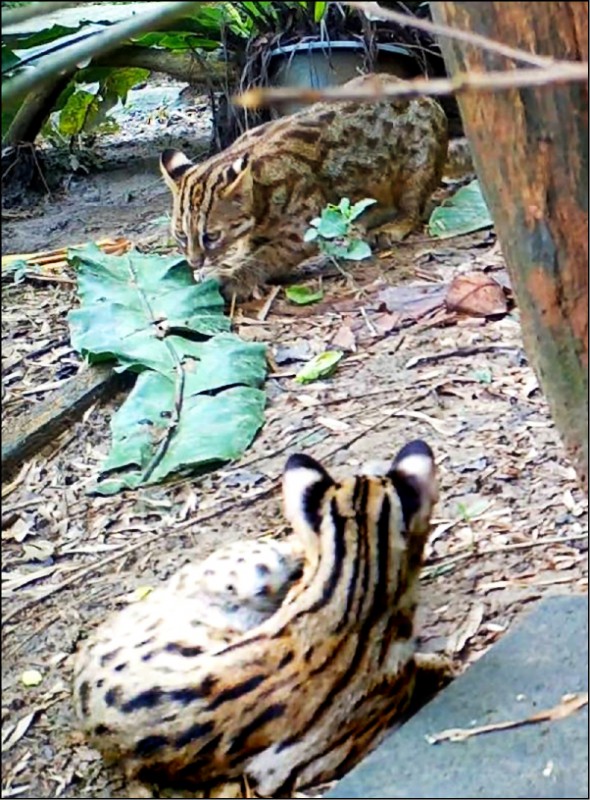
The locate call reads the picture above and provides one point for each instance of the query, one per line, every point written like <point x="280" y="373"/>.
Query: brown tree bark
<point x="530" y="150"/>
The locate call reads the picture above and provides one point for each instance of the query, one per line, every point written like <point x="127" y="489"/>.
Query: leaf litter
<point x="511" y="524"/>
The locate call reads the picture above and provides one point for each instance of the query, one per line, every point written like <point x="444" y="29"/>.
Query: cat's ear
<point x="305" y="482"/>
<point x="173" y="165"/>
<point x="413" y="473"/>
<point x="238" y="177"/>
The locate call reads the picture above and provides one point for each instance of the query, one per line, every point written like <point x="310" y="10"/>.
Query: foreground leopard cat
<point x="241" y="215"/>
<point x="283" y="662"/>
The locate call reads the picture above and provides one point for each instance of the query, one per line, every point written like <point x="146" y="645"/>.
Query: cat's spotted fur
<point x="241" y="215"/>
<point x="219" y="675"/>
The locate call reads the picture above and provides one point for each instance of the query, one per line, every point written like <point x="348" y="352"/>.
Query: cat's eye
<point x="210" y="239"/>
<point x="181" y="240"/>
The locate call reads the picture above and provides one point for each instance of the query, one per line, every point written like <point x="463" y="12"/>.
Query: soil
<point x="511" y="524"/>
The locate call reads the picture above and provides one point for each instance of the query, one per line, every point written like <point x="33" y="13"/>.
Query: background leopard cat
<point x="224" y="673"/>
<point x="241" y="215"/>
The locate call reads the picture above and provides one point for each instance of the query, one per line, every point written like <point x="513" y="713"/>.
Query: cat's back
<point x="341" y="141"/>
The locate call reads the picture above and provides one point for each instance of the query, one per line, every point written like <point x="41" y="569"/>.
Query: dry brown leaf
<point x="344" y="339"/>
<point x="333" y="424"/>
<point x="39" y="550"/>
<point x="436" y="424"/>
<point x="476" y="294"/>
<point x="18" y="531"/>
<point x="569" y="703"/>
<point x="459" y="638"/>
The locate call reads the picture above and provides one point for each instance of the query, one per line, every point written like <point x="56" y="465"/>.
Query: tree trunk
<point x="530" y="150"/>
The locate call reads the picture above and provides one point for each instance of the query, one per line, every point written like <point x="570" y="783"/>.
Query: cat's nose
<point x="196" y="261"/>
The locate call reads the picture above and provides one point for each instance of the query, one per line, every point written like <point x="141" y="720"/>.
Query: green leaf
<point x="321" y="366"/>
<point x="332" y="224"/>
<point x="120" y="81"/>
<point x="210" y="430"/>
<point x="357" y="250"/>
<point x="344" y="206"/>
<point x="197" y="401"/>
<point x="73" y="115"/>
<point x="27" y="41"/>
<point x="303" y="295"/>
<point x="465" y="212"/>
<point x="310" y="235"/>
<point x="116" y="293"/>
<point x="9" y="59"/>
<point x="177" y="41"/>
<point x="319" y="11"/>
<point x="359" y="207"/>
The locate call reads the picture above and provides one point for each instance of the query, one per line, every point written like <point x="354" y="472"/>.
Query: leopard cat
<point x="241" y="215"/>
<point x="281" y="662"/>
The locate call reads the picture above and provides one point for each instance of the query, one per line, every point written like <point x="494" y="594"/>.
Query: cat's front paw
<point x="393" y="233"/>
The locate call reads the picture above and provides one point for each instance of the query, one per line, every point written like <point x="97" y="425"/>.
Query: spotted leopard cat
<point x="280" y="662"/>
<point x="241" y="215"/>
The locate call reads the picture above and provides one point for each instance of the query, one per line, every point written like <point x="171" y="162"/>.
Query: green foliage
<point x="303" y="295"/>
<point x="205" y="28"/>
<point x="197" y="401"/>
<point x="335" y="232"/>
<point x="321" y="366"/>
<point x="258" y="18"/>
<point x="465" y="212"/>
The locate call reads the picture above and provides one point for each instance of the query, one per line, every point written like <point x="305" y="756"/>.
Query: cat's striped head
<point x="212" y="205"/>
<point x="405" y="491"/>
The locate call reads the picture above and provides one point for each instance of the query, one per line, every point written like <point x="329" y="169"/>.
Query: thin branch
<point x="560" y="72"/>
<point x="14" y="16"/>
<point x="434" y="564"/>
<point x="375" y="11"/>
<point x="103" y="42"/>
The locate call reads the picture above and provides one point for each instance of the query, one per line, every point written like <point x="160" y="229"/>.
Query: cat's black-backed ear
<point x="173" y="165"/>
<point x="305" y="482"/>
<point x="237" y="167"/>
<point x="413" y="473"/>
<point x="238" y="177"/>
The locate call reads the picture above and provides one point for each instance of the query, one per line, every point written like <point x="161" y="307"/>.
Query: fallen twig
<point x="444" y="561"/>
<point x="263" y="313"/>
<point x="462" y="352"/>
<point x="569" y="703"/>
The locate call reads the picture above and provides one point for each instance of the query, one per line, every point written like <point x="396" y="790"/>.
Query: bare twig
<point x="461" y="352"/>
<point x="376" y="11"/>
<point x="436" y="563"/>
<point x="263" y="313"/>
<point x="560" y="72"/>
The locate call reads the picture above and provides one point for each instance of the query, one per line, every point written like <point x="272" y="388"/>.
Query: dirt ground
<point x="511" y="524"/>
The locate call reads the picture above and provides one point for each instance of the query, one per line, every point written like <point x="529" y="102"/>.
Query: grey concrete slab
<point x="542" y="658"/>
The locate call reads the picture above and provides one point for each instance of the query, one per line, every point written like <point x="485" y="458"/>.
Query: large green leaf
<point x="465" y="212"/>
<point x="26" y="41"/>
<point x="148" y="446"/>
<point x="129" y="302"/>
<point x="197" y="401"/>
